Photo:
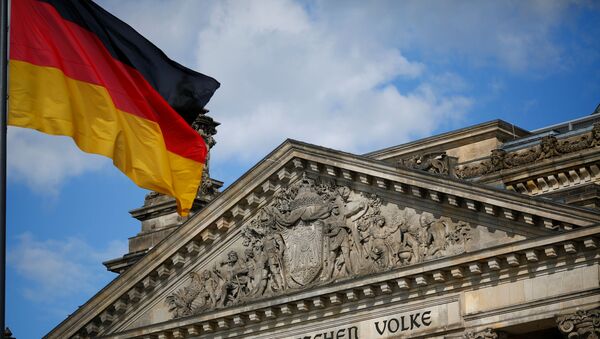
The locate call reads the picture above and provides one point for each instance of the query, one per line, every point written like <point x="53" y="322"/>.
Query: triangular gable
<point x="363" y="217"/>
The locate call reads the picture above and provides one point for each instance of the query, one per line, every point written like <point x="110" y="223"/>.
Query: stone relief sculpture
<point x="488" y="333"/>
<point x="581" y="324"/>
<point x="549" y="147"/>
<point x="595" y="135"/>
<point x="314" y="233"/>
<point x="431" y="162"/>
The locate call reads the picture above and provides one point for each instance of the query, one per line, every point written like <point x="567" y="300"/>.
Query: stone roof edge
<point x="201" y="227"/>
<point x="498" y="126"/>
<point x="158" y="253"/>
<point x="444" y="185"/>
<point x="542" y="167"/>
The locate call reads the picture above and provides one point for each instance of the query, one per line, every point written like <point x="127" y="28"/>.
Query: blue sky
<point x="356" y="76"/>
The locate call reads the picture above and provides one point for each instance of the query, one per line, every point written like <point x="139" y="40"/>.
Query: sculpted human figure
<point x="256" y="262"/>
<point x="235" y="278"/>
<point x="384" y="245"/>
<point x="548" y="147"/>
<point x="356" y="212"/>
<point x="413" y="238"/>
<point x="251" y="266"/>
<point x="365" y="243"/>
<point x="338" y="247"/>
<point x="358" y="235"/>
<point x="273" y="248"/>
<point x="401" y="254"/>
<point x="355" y="208"/>
<point x="207" y="287"/>
<point x="436" y="234"/>
<point x="497" y="159"/>
<point x="211" y="288"/>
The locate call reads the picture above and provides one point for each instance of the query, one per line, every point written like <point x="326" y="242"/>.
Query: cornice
<point x="498" y="128"/>
<point x="387" y="176"/>
<point x="543" y="167"/>
<point x="546" y="150"/>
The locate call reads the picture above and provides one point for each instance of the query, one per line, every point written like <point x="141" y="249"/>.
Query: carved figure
<point x="384" y="245"/>
<point x="430" y="162"/>
<point x="548" y="147"/>
<point x="235" y="279"/>
<point x="256" y="262"/>
<point x="307" y="206"/>
<point x="199" y="295"/>
<point x="488" y="333"/>
<point x="583" y="324"/>
<point x="595" y="135"/>
<point x="413" y="237"/>
<point x="273" y="248"/>
<point x="436" y="234"/>
<point x="473" y="170"/>
<point x="338" y="247"/>
<point x="498" y="159"/>
<point x="180" y="302"/>
<point x="314" y="233"/>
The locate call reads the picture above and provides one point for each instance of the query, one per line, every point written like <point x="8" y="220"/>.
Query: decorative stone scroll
<point x="549" y="147"/>
<point x="580" y="325"/>
<point x="438" y="163"/>
<point x="313" y="233"/>
<point x="488" y="333"/>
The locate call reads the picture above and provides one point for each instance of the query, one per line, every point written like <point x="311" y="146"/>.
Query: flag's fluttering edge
<point x="78" y="71"/>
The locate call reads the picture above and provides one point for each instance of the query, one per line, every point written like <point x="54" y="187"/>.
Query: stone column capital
<point x="580" y="325"/>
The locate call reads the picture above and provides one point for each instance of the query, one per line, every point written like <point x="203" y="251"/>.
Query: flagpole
<point x="3" y="115"/>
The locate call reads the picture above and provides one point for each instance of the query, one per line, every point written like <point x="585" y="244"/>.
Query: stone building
<point x="490" y="231"/>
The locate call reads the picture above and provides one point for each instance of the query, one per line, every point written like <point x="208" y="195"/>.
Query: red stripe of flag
<point x="52" y="41"/>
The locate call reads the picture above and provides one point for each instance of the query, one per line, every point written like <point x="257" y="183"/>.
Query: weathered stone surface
<point x="580" y="325"/>
<point x="314" y="233"/>
<point x="319" y="243"/>
<point x="549" y="147"/>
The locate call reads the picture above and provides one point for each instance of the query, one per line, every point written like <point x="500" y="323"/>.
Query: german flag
<point x="77" y="70"/>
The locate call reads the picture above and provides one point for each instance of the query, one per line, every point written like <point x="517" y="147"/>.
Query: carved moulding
<point x="313" y="233"/>
<point x="549" y="147"/>
<point x="438" y="163"/>
<point x="580" y="325"/>
<point x="488" y="333"/>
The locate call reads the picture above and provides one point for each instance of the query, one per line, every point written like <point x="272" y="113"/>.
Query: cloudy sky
<point x="352" y="75"/>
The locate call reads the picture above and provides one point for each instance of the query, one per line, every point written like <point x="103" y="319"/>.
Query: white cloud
<point x="324" y="72"/>
<point x="354" y="75"/>
<point x="44" y="162"/>
<point x="516" y="35"/>
<point x="286" y="74"/>
<point x="59" y="269"/>
<point x="171" y="25"/>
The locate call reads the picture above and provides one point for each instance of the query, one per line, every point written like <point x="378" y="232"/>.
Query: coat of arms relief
<point x="315" y="232"/>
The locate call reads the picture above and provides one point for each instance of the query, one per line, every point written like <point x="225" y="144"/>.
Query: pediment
<point x="301" y="221"/>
